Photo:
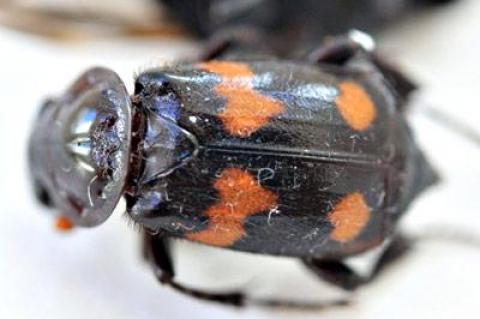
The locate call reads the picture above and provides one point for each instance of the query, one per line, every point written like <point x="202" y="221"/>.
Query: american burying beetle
<point x="307" y="159"/>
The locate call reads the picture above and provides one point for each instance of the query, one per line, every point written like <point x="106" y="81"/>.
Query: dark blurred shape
<point x="300" y="22"/>
<point x="290" y="24"/>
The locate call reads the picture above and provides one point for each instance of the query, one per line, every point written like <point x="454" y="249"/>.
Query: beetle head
<point x="80" y="147"/>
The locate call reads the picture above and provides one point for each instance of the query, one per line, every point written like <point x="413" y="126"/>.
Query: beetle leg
<point x="339" y="274"/>
<point x="157" y="253"/>
<point x="345" y="49"/>
<point x="336" y="273"/>
<point x="335" y="50"/>
<point x="403" y="85"/>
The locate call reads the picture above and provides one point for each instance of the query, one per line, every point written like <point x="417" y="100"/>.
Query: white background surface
<point x="98" y="273"/>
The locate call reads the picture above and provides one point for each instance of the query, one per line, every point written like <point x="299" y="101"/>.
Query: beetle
<point x="291" y="25"/>
<point x="288" y="25"/>
<point x="309" y="159"/>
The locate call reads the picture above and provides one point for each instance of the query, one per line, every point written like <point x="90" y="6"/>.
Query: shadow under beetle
<point x="308" y="159"/>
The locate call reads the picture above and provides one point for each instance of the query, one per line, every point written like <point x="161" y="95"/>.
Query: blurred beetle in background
<point x="291" y="25"/>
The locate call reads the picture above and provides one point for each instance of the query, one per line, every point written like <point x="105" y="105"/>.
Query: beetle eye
<point x="80" y="147"/>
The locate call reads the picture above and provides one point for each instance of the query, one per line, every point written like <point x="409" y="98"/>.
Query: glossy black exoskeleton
<point x="307" y="159"/>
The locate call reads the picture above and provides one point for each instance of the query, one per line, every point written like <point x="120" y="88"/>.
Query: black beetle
<point x="307" y="159"/>
<point x="290" y="25"/>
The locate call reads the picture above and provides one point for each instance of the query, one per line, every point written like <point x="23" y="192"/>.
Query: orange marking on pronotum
<point x="62" y="223"/>
<point x="246" y="110"/>
<point x="240" y="196"/>
<point x="355" y="106"/>
<point x="349" y="217"/>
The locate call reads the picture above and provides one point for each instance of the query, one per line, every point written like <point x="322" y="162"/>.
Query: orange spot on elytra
<point x="62" y="223"/>
<point x="246" y="110"/>
<point x="240" y="197"/>
<point x="349" y="217"/>
<point x="355" y="106"/>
